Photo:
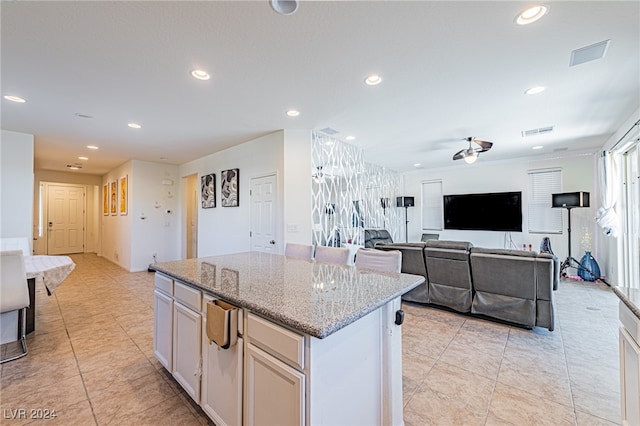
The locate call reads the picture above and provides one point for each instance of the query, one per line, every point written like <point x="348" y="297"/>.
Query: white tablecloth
<point x="53" y="269"/>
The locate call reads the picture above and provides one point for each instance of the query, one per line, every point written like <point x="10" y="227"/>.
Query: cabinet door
<point x="163" y="329"/>
<point x="222" y="382"/>
<point x="274" y="392"/>
<point x="187" y="327"/>
<point x="629" y="378"/>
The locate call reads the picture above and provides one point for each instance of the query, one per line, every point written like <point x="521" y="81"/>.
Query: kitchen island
<point x="629" y="338"/>
<point x="317" y="343"/>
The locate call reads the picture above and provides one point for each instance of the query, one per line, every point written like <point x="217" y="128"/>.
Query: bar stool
<point x="300" y="251"/>
<point x="336" y="255"/>
<point x="379" y="260"/>
<point x="14" y="293"/>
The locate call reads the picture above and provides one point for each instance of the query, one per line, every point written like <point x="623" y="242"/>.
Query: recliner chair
<point x="449" y="274"/>
<point x="374" y="236"/>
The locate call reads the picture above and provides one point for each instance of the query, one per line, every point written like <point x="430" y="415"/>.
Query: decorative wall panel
<point x="348" y="194"/>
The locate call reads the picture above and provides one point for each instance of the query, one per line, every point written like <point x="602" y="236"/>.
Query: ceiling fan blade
<point x="486" y="146"/>
<point x="459" y="155"/>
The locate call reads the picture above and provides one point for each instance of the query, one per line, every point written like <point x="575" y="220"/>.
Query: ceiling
<point x="450" y="70"/>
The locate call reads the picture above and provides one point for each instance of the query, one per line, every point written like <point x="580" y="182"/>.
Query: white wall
<point x="130" y="241"/>
<point x="223" y="230"/>
<point x="153" y="191"/>
<point x="116" y="229"/>
<point x="16" y="182"/>
<point x="578" y="174"/>
<point x="297" y="186"/>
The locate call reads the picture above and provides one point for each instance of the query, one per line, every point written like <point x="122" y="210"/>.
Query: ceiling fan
<point x="470" y="155"/>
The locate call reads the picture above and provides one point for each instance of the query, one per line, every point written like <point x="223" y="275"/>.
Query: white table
<point x="53" y="269"/>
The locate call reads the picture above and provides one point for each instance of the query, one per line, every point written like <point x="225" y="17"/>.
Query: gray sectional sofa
<point x="509" y="285"/>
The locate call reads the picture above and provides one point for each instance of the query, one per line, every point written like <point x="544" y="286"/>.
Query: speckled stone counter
<point x="313" y="298"/>
<point x="630" y="297"/>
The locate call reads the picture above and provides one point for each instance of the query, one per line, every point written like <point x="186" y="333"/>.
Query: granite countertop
<point x="311" y="297"/>
<point x="630" y="297"/>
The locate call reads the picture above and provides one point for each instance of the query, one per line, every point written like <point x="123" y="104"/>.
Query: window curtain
<point x="607" y="217"/>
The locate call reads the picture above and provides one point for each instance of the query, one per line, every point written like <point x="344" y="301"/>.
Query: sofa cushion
<point x="452" y="250"/>
<point x="504" y="252"/>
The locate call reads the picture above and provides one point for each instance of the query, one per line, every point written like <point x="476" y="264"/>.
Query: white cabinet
<point x="629" y="366"/>
<point x="221" y="379"/>
<point x="163" y="321"/>
<point x="274" y="391"/>
<point x="187" y="337"/>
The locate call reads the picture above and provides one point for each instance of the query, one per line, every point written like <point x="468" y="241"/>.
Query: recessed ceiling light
<point x="535" y="90"/>
<point x="373" y="79"/>
<point x="537" y="147"/>
<point x="92" y="147"/>
<point x="417" y="165"/>
<point x="17" y="99"/>
<point x="134" y="125"/>
<point x="200" y="74"/>
<point x="83" y="158"/>
<point x="531" y="14"/>
<point x="293" y="113"/>
<point x="350" y="138"/>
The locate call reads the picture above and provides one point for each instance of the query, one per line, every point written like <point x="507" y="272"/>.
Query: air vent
<point x="536" y="132"/>
<point x="589" y="53"/>
<point x="74" y="166"/>
<point x="329" y="131"/>
<point x="560" y="149"/>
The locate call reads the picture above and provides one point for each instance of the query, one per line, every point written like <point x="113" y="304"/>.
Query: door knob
<point x="272" y="242"/>
<point x="50" y="224"/>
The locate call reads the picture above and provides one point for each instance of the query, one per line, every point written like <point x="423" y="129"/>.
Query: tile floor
<point x="91" y="360"/>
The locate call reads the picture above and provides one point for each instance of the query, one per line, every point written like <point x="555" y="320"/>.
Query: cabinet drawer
<point x="164" y="283"/>
<point x="630" y="321"/>
<point x="188" y="296"/>
<point x="283" y="343"/>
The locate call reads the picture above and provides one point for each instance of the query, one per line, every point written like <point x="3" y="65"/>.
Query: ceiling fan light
<point x="470" y="156"/>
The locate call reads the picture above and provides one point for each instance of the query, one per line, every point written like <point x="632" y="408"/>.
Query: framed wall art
<point x="208" y="190"/>
<point x="105" y="199"/>
<point x="230" y="195"/>
<point x="114" y="199"/>
<point x="124" y="193"/>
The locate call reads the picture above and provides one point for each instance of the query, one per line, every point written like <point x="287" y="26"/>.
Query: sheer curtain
<point x="607" y="217"/>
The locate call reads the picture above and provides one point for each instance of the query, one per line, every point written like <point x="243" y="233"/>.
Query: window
<point x="542" y="218"/>
<point x="432" y="205"/>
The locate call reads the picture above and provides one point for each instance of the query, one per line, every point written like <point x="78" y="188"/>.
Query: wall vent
<point x="536" y="132"/>
<point x="329" y="131"/>
<point x="561" y="149"/>
<point x="589" y="53"/>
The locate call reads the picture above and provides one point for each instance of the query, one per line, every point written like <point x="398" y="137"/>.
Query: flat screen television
<point x="498" y="211"/>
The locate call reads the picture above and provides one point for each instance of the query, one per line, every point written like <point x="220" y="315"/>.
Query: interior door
<point x="263" y="214"/>
<point x="65" y="219"/>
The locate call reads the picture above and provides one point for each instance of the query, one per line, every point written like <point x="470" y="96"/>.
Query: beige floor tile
<point x="56" y="396"/>
<point x="76" y="414"/>
<point x="170" y="412"/>
<point x="585" y="419"/>
<point x="116" y="356"/>
<point x="546" y="379"/>
<point x="598" y="399"/>
<point x="104" y="377"/>
<point x="481" y="362"/>
<point x="129" y="398"/>
<point x="512" y="406"/>
<point x="451" y="395"/>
